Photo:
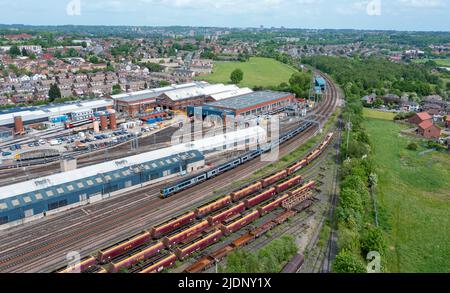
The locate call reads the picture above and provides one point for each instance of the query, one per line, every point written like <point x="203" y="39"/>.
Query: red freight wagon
<point x="313" y="156"/>
<point x="216" y="219"/>
<point x="273" y="205"/>
<point x="237" y="195"/>
<point x="81" y="267"/>
<point x="161" y="265"/>
<point x="227" y="230"/>
<point x="199" y="245"/>
<point x="308" y="186"/>
<point x="297" y="166"/>
<point x="249" y="203"/>
<point x="134" y="259"/>
<point x="288" y="184"/>
<point x="106" y="255"/>
<point x="274" y="178"/>
<point x="172" y="225"/>
<point x="177" y="238"/>
<point x="214" y="206"/>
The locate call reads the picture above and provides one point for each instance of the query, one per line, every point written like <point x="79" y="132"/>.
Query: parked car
<point x="5" y="154"/>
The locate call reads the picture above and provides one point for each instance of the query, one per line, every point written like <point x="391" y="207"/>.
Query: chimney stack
<point x="18" y="125"/>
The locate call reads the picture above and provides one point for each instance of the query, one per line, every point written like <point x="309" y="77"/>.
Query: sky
<point x="422" y="15"/>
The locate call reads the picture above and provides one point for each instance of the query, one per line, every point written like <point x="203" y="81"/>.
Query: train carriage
<point x="223" y="168"/>
<point x="288" y="184"/>
<point x="186" y="234"/>
<point x="274" y="178"/>
<point x="237" y="195"/>
<point x="249" y="203"/>
<point x="114" y="267"/>
<point x="273" y="205"/>
<point x="206" y="241"/>
<point x="106" y="255"/>
<point x="84" y="265"/>
<point x="239" y="224"/>
<point x="164" y="263"/>
<point x="216" y="219"/>
<point x="308" y="186"/>
<point x="297" y="166"/>
<point x="213" y="206"/>
<point x="161" y="230"/>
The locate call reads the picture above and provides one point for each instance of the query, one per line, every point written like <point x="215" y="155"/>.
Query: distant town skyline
<point x="410" y="15"/>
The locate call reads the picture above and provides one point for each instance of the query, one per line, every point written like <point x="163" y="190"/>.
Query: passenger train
<point x="199" y="178"/>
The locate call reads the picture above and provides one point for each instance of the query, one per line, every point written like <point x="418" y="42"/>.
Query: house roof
<point x="424" y="116"/>
<point x="426" y="124"/>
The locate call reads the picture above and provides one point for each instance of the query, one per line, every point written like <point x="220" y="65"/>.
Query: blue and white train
<point x="199" y="178"/>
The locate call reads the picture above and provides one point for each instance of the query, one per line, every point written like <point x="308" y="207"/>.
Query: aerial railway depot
<point x="252" y="202"/>
<point x="185" y="237"/>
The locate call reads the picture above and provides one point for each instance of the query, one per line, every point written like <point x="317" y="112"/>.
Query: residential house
<point x="428" y="130"/>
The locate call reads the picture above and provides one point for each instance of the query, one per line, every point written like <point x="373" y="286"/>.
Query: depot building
<point x="250" y="104"/>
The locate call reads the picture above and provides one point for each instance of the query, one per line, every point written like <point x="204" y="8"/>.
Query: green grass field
<point x="257" y="72"/>
<point x="375" y="114"/>
<point x="440" y="62"/>
<point x="414" y="201"/>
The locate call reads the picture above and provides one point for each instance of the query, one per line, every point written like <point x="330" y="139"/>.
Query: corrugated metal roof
<point x="231" y="94"/>
<point x="33" y="113"/>
<point x="153" y="93"/>
<point x="248" y="100"/>
<point x="76" y="179"/>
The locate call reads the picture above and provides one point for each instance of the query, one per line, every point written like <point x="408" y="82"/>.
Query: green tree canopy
<point x="54" y="92"/>
<point x="237" y="76"/>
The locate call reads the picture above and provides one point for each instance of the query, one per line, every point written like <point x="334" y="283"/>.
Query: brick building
<point x="428" y="130"/>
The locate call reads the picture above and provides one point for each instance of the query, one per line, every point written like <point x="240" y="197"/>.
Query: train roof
<point x="21" y="194"/>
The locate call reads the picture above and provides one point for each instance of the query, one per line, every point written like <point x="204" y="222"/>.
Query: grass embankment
<point x="258" y="71"/>
<point x="414" y="201"/>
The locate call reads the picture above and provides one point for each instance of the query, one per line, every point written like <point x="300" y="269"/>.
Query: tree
<point x="347" y="262"/>
<point x="372" y="240"/>
<point x="54" y="92"/>
<point x="94" y="59"/>
<point x="24" y="52"/>
<point x="154" y="67"/>
<point x="164" y="83"/>
<point x="237" y="76"/>
<point x="14" y="51"/>
<point x="116" y="89"/>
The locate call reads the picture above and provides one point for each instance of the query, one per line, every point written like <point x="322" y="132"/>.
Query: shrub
<point x="372" y="240"/>
<point x="348" y="262"/>
<point x="412" y="146"/>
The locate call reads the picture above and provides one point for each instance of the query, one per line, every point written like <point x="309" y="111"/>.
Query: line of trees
<point x="377" y="75"/>
<point x="358" y="234"/>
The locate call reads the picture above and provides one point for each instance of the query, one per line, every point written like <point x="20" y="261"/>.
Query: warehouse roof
<point x="52" y="186"/>
<point x="32" y="113"/>
<point x="153" y="93"/>
<point x="12" y="196"/>
<point x="204" y="89"/>
<point x="249" y="100"/>
<point x="230" y="94"/>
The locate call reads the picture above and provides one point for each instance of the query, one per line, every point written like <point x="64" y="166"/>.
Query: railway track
<point x="52" y="238"/>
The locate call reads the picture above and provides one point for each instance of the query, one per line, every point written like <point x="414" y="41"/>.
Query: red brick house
<point x="418" y="118"/>
<point x="428" y="130"/>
